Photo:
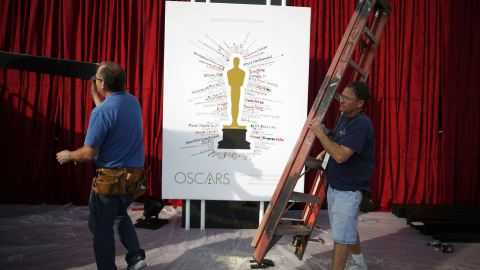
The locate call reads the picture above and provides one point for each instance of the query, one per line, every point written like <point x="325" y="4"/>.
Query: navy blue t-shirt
<point x="355" y="133"/>
<point x="116" y="128"/>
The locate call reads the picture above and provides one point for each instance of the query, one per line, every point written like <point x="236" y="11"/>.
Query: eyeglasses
<point x="93" y="78"/>
<point x="340" y="97"/>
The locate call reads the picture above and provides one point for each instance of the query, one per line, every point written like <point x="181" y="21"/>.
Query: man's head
<point x="361" y="90"/>
<point x="113" y="75"/>
<point x="354" y="97"/>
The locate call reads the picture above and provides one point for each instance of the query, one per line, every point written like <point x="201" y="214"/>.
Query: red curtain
<point x="424" y="107"/>
<point x="425" y="97"/>
<point x="43" y="114"/>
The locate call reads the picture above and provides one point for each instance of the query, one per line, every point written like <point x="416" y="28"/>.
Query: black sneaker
<point x="138" y="263"/>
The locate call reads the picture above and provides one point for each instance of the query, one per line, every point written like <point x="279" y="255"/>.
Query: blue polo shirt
<point x="355" y="133"/>
<point x="116" y="128"/>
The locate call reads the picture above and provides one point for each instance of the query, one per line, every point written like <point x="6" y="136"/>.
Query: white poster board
<point x="266" y="51"/>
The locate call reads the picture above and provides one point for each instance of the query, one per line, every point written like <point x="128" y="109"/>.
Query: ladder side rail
<point x="367" y="56"/>
<point x="286" y="184"/>
<point x="294" y="155"/>
<point x="317" y="189"/>
<point x="369" y="51"/>
<point x="317" y="101"/>
<point x="345" y="60"/>
<point x="333" y="66"/>
<point x="378" y="25"/>
<point x="285" y="187"/>
<point x="355" y="26"/>
<point x="300" y="140"/>
<point x="363" y="54"/>
<point x="340" y="61"/>
<point x="320" y="94"/>
<point x="291" y="182"/>
<point x="310" y="213"/>
<point x="272" y="222"/>
<point x="286" y="172"/>
<point x="320" y="180"/>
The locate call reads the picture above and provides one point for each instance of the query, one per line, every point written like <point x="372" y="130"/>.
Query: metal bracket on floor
<point x="264" y="265"/>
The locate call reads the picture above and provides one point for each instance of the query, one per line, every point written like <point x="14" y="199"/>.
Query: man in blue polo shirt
<point x="115" y="140"/>
<point x="349" y="158"/>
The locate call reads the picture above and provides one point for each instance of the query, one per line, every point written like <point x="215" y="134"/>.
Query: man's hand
<point x="82" y="154"/>
<point x="93" y="89"/>
<point x="62" y="157"/>
<point x="97" y="99"/>
<point x="321" y="156"/>
<point x="316" y="127"/>
<point x="338" y="152"/>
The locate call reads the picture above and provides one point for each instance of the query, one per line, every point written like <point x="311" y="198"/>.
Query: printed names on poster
<point x="258" y="95"/>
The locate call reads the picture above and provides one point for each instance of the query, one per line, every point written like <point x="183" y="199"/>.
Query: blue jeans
<point x="343" y="214"/>
<point x="107" y="213"/>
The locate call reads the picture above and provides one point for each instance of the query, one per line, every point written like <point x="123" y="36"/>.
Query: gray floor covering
<point x="57" y="237"/>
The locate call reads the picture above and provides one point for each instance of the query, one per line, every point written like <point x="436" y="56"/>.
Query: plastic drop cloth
<point x="57" y="237"/>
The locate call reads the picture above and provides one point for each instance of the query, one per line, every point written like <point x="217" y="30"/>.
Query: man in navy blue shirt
<point x="348" y="160"/>
<point x="115" y="141"/>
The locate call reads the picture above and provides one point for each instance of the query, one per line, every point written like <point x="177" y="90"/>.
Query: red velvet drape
<point x="424" y="108"/>
<point x="425" y="97"/>
<point x="43" y="114"/>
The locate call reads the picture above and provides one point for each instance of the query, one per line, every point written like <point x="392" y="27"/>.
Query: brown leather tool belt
<point x="114" y="182"/>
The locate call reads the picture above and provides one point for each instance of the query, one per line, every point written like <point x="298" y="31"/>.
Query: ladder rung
<point x="293" y="230"/>
<point x="307" y="198"/>
<point x="370" y="35"/>
<point x="292" y="219"/>
<point x="314" y="163"/>
<point x="386" y="6"/>
<point x="358" y="68"/>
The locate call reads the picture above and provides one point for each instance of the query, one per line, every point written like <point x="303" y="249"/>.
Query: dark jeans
<point x="107" y="213"/>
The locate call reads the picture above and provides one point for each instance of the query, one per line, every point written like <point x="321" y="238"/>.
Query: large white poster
<point x="235" y="98"/>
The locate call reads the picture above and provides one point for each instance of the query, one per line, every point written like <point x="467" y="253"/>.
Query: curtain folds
<point x="424" y="97"/>
<point x="424" y="107"/>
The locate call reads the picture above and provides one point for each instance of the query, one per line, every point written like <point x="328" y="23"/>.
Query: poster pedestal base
<point x="234" y="139"/>
<point x="224" y="214"/>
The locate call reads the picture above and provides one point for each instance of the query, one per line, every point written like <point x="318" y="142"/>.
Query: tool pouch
<point x="114" y="182"/>
<point x="109" y="182"/>
<point x="137" y="182"/>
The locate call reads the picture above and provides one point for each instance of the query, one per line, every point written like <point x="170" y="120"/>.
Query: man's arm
<point x="83" y="154"/>
<point x="339" y="153"/>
